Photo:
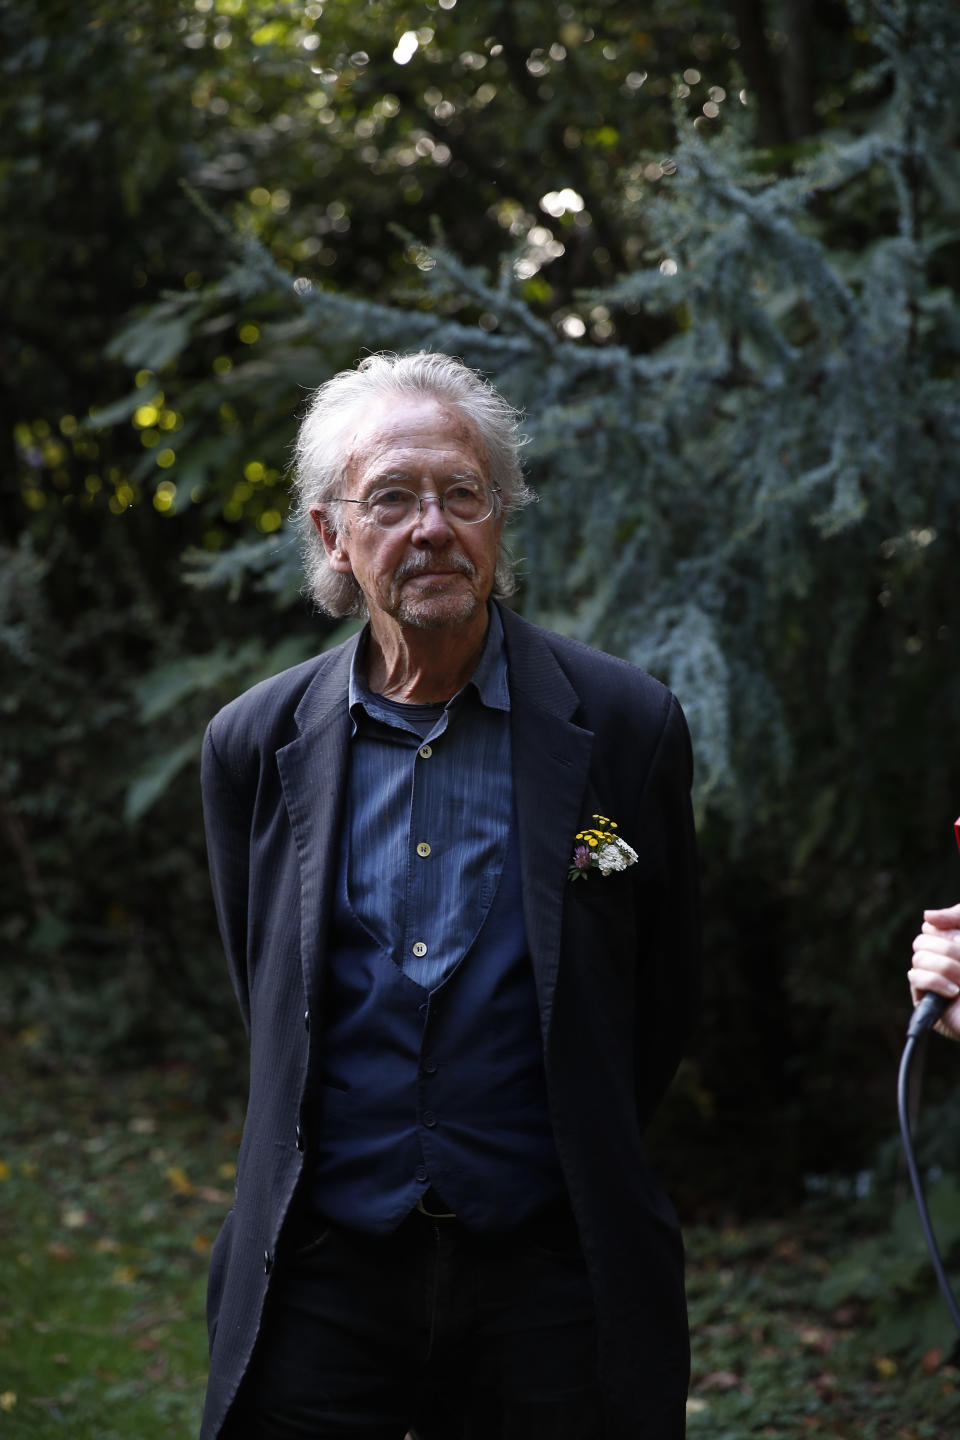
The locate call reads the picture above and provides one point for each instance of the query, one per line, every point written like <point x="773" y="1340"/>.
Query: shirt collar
<point x="489" y="680"/>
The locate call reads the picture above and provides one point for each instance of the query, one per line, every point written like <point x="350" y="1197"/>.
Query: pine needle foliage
<point x="726" y="508"/>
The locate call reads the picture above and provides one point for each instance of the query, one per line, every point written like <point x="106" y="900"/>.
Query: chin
<point x="436" y="612"/>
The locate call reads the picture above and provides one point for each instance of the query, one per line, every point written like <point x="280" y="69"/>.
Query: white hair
<point x="323" y="447"/>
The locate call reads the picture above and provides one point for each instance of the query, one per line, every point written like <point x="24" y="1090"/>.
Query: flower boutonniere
<point x="600" y="848"/>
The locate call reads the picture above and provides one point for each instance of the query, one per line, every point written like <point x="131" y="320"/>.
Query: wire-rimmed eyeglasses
<point x="468" y="501"/>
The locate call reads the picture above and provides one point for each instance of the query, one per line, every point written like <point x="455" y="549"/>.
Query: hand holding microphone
<point x="936" y="966"/>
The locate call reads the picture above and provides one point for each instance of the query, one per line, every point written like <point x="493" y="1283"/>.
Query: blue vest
<point x="443" y="1087"/>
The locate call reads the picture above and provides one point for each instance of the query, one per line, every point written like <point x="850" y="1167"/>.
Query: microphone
<point x="927" y="1013"/>
<point x="931" y="1007"/>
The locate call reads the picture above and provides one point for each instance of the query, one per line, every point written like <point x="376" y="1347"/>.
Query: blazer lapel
<point x="551" y="759"/>
<point x="313" y="773"/>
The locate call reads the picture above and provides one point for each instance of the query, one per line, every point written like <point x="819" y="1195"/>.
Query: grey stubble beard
<point x="418" y="612"/>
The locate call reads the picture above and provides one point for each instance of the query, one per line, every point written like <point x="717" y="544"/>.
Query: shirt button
<point x="425" y="752"/>
<point x="419" y="949"/>
<point x="423" y="849"/>
<point x="429" y="1119"/>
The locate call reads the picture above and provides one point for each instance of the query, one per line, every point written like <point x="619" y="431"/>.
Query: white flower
<point x="616" y="856"/>
<point x="600" y="848"/>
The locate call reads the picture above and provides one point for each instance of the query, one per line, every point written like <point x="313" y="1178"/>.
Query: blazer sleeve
<point x="226" y="821"/>
<point x="667" y="1003"/>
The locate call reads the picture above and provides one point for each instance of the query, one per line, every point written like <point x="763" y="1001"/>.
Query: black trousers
<point x="432" y="1332"/>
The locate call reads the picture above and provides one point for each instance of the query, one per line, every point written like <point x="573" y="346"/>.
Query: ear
<point x="334" y="542"/>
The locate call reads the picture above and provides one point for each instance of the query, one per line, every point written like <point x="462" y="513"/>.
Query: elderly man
<point x="454" y="870"/>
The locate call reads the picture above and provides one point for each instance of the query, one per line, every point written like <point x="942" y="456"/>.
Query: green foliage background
<point x="714" y="258"/>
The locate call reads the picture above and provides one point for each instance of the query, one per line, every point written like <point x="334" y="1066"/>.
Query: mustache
<point x="423" y="561"/>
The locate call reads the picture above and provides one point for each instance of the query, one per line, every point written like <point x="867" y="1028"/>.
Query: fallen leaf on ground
<point x="719" y="1380"/>
<point x="932" y="1361"/>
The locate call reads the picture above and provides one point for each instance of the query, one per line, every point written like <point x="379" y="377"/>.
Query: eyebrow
<point x="406" y="478"/>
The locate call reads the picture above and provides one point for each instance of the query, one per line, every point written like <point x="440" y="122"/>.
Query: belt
<point x="434" y="1205"/>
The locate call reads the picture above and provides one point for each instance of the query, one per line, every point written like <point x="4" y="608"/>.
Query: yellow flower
<point x="600" y="847"/>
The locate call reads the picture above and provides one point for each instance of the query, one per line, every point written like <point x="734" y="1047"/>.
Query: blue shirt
<point x="430" y="802"/>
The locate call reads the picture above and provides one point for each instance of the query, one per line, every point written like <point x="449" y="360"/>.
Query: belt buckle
<point x="435" y="1214"/>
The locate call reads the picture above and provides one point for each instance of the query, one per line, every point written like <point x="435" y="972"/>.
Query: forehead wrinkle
<point x="373" y="432"/>
<point x="399" y="475"/>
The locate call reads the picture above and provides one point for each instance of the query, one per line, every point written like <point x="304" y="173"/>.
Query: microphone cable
<point x="925" y="1015"/>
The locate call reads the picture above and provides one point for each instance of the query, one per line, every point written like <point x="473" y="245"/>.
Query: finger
<point x="950" y="932"/>
<point x="931" y="982"/>
<point x="946" y="919"/>
<point x="938" y="942"/>
<point x="929" y="963"/>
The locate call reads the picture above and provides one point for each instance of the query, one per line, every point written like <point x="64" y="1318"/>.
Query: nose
<point x="431" y="525"/>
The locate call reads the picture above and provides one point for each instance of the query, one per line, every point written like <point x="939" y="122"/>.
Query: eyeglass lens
<point x="468" y="501"/>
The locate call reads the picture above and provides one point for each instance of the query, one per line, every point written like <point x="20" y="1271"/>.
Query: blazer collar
<point x="329" y="688"/>
<point x="313" y="774"/>
<point x="551" y="761"/>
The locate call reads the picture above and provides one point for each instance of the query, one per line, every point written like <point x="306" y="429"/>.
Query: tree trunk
<point x="760" y="71"/>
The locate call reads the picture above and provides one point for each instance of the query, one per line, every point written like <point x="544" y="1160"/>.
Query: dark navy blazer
<point x="615" y="959"/>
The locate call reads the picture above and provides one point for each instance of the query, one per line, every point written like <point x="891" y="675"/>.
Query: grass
<point x="111" y="1193"/>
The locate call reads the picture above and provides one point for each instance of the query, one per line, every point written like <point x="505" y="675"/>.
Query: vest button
<point x="423" y="849"/>
<point x="299" y="1139"/>
<point x="421" y="1174"/>
<point x="425" y="752"/>
<point x="429" y="1119"/>
<point x="429" y="1067"/>
<point x="306" y="1021"/>
<point x="267" y="1262"/>
<point x="419" y="949"/>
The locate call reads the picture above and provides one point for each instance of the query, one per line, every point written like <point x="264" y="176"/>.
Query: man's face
<point x="433" y="571"/>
